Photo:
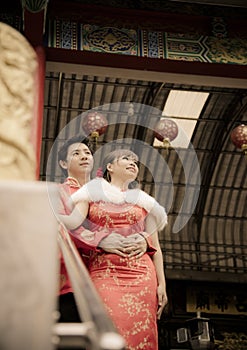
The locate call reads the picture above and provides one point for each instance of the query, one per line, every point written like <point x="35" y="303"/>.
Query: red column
<point x="36" y="137"/>
<point x="34" y="31"/>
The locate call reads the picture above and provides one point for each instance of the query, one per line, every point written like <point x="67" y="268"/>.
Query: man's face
<point x="79" y="160"/>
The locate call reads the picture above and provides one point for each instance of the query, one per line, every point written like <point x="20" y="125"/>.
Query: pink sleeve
<point x="83" y="244"/>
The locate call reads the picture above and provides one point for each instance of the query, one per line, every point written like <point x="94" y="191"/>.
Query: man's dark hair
<point x="63" y="151"/>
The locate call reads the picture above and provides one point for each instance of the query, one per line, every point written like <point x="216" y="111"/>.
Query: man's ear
<point x="63" y="164"/>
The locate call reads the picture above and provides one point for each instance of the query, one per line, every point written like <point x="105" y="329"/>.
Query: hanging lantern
<point x="94" y="124"/>
<point x="166" y="130"/>
<point x="239" y="137"/>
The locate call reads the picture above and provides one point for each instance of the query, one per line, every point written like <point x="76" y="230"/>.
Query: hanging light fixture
<point x="166" y="130"/>
<point x="239" y="137"/>
<point x="131" y="109"/>
<point x="94" y="124"/>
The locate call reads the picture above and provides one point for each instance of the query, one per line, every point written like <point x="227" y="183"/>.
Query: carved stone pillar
<point x="18" y="66"/>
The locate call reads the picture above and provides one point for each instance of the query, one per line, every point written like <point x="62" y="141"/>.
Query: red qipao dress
<point x="128" y="287"/>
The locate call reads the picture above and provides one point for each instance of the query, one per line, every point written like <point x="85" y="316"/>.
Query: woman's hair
<point x="114" y="155"/>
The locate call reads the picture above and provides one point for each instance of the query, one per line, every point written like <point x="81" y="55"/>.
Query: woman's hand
<point x="114" y="243"/>
<point x="162" y="300"/>
<point x="132" y="246"/>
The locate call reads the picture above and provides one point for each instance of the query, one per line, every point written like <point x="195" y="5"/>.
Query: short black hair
<point x="63" y="151"/>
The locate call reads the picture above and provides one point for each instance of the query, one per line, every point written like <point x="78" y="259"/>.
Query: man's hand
<point x="114" y="243"/>
<point x="134" y="245"/>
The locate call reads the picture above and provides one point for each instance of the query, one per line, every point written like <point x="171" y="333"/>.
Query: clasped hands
<point x="135" y="245"/>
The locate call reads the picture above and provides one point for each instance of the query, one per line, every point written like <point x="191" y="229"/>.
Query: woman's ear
<point x="63" y="164"/>
<point x="109" y="167"/>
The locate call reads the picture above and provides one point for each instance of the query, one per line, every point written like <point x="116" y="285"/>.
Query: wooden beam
<point x="145" y="63"/>
<point x="205" y="276"/>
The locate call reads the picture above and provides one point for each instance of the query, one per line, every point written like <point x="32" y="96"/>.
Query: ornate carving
<point x="232" y="341"/>
<point x="18" y="65"/>
<point x="217" y="300"/>
<point x="35" y="5"/>
<point x="111" y="39"/>
<point x="226" y="51"/>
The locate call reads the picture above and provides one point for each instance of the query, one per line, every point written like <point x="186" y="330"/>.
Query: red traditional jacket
<point x="70" y="186"/>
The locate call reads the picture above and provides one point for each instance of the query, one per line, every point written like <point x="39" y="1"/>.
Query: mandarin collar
<point x="73" y="182"/>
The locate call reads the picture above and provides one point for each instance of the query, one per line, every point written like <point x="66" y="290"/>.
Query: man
<point x="76" y="161"/>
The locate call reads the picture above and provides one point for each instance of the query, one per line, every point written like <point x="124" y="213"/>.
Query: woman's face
<point x="125" y="167"/>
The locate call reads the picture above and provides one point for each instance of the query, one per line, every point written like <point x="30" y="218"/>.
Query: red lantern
<point x="239" y="137"/>
<point x="166" y="130"/>
<point x="94" y="124"/>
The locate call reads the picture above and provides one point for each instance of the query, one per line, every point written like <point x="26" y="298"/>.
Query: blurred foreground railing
<point x="97" y="331"/>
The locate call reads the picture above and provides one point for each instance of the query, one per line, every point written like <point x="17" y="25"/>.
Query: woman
<point x="133" y="289"/>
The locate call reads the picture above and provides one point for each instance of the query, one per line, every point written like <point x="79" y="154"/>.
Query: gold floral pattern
<point x="115" y="217"/>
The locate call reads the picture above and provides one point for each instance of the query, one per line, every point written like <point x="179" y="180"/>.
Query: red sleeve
<point x="150" y="248"/>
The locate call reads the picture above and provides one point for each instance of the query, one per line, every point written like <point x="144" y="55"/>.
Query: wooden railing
<point x="97" y="331"/>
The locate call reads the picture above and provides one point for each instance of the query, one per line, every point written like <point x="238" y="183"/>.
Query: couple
<point x="131" y="284"/>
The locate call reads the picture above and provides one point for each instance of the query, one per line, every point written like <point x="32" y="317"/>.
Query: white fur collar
<point x="100" y="190"/>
